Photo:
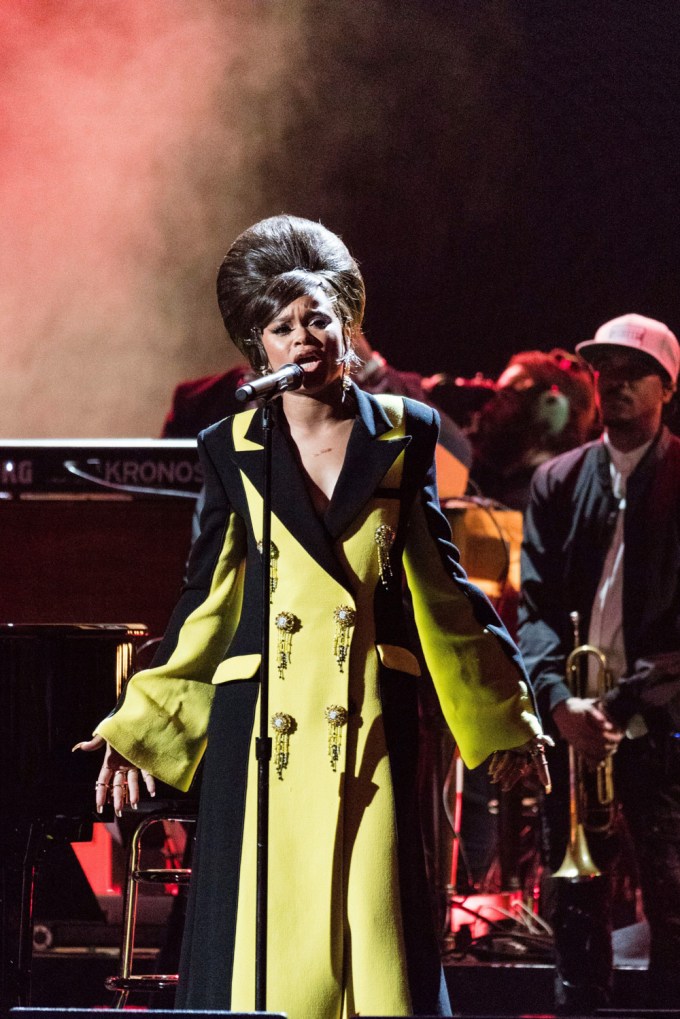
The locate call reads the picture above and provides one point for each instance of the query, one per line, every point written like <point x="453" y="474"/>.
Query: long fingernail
<point x="134" y="806"/>
<point x="119" y="813"/>
<point x="76" y="747"/>
<point x="100" y="809"/>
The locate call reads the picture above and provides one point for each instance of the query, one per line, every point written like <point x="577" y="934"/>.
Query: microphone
<point x="290" y="376"/>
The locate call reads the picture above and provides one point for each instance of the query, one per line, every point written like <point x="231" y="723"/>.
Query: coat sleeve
<point x="542" y="616"/>
<point x="476" y="668"/>
<point x="160" y="722"/>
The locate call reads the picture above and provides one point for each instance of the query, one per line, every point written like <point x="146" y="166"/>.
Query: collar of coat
<point x="376" y="439"/>
<point x="646" y="467"/>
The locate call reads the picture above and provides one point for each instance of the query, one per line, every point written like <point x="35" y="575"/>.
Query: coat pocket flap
<point x="398" y="658"/>
<point x="239" y="667"/>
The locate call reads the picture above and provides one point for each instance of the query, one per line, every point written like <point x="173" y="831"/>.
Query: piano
<point x="98" y="468"/>
<point x="92" y="533"/>
<point x="95" y="530"/>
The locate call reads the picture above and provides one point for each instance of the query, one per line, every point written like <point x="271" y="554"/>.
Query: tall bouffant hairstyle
<point x="273" y="263"/>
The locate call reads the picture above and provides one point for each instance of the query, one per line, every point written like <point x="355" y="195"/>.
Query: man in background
<point x="602" y="538"/>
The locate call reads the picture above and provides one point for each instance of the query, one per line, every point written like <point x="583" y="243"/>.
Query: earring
<point x="349" y="358"/>
<point x="255" y="352"/>
<point x="346" y="378"/>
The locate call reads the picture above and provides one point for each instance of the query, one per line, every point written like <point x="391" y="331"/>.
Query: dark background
<point x="509" y="176"/>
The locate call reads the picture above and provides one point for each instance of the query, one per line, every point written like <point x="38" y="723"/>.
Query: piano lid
<point x="97" y="631"/>
<point x="119" y="469"/>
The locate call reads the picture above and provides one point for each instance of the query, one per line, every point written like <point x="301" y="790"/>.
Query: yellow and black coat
<point x="349" y="930"/>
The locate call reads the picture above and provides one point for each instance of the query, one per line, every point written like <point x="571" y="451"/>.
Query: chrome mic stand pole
<point x="263" y="743"/>
<point x="289" y="376"/>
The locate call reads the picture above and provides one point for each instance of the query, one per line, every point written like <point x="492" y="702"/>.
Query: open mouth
<point x="308" y="362"/>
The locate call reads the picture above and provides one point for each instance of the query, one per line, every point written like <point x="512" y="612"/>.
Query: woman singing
<point x="355" y="517"/>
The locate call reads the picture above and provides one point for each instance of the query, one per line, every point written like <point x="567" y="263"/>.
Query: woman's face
<point x="307" y="332"/>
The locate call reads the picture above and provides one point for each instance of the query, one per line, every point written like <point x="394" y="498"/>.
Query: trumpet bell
<point x="578" y="864"/>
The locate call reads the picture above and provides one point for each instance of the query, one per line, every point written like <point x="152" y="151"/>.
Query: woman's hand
<point x="507" y="766"/>
<point x="118" y="777"/>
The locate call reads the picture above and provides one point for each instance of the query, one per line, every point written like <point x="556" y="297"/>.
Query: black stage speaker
<point x="115" y="1013"/>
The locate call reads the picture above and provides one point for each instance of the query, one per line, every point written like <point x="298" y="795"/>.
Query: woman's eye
<point x="281" y="330"/>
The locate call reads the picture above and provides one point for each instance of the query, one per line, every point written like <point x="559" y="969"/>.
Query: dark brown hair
<point x="273" y="263"/>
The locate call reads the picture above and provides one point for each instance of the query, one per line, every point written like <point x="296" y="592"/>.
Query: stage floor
<point x="72" y="970"/>
<point x="74" y="977"/>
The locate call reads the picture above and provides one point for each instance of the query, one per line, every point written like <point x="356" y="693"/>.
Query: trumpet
<point x="588" y="810"/>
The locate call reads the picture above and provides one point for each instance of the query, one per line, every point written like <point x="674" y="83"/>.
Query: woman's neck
<point x="308" y="412"/>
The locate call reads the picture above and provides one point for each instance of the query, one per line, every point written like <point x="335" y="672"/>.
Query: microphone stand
<point x="290" y="376"/>
<point x="263" y="744"/>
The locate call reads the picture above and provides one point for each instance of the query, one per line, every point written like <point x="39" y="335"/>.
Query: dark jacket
<point x="568" y="528"/>
<point x="198" y="403"/>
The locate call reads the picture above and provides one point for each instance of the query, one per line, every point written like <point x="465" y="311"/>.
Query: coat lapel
<point x="367" y="460"/>
<point x="291" y="502"/>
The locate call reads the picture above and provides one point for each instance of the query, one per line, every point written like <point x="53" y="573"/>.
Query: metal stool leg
<point x="126" y="981"/>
